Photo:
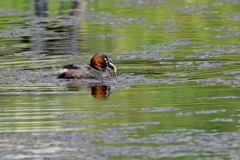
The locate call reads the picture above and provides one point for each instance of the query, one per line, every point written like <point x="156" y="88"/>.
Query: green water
<point x="176" y="96"/>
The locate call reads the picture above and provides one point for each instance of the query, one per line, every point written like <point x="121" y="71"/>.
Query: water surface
<point x="176" y="96"/>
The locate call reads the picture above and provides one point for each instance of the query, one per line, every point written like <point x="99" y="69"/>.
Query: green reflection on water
<point x="141" y="103"/>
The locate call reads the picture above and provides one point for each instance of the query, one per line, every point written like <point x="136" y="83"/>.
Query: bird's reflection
<point x="99" y="92"/>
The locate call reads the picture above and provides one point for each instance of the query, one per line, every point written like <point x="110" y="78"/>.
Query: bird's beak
<point x="113" y="66"/>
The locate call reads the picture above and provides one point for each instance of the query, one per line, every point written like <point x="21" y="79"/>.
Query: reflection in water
<point x="40" y="8"/>
<point x="101" y="92"/>
<point x="48" y="37"/>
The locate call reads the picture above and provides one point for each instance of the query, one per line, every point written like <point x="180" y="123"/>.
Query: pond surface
<point x="177" y="95"/>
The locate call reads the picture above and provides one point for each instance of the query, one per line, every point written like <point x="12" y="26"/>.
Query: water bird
<point x="98" y="69"/>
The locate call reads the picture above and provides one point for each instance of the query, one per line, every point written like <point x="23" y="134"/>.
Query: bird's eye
<point x="106" y="60"/>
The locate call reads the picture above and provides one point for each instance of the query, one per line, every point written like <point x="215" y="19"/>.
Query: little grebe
<point x="96" y="70"/>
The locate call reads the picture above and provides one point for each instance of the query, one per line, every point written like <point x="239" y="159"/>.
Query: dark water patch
<point x="129" y="80"/>
<point x="225" y="97"/>
<point x="234" y="34"/>
<point x="222" y="120"/>
<point x="215" y="51"/>
<point x="183" y="114"/>
<point x="130" y="3"/>
<point x="168" y="46"/>
<point x="156" y="48"/>
<point x="166" y="63"/>
<point x="103" y="36"/>
<point x="54" y="22"/>
<point x="212" y="18"/>
<point x="105" y="115"/>
<point x="199" y="8"/>
<point x="197" y="64"/>
<point x="133" y="80"/>
<point x="235" y="115"/>
<point x="176" y="74"/>
<point x="21" y="32"/>
<point x="30" y="54"/>
<point x="111" y="106"/>
<point x="182" y="42"/>
<point x="222" y="28"/>
<point x="236" y="80"/>
<point x="232" y="73"/>
<point x="146" y="54"/>
<point x="210" y="65"/>
<point x="174" y="80"/>
<point x="209" y="112"/>
<point x="80" y="116"/>
<point x="137" y="124"/>
<point x="231" y="1"/>
<point x="215" y="81"/>
<point x="10" y="119"/>
<point x="78" y="126"/>
<point x="169" y="28"/>
<point x="234" y="16"/>
<point x="158" y="109"/>
<point x="29" y="77"/>
<point x="184" y="63"/>
<point x="110" y="19"/>
<point x="12" y="12"/>
<point x="155" y="56"/>
<point x="203" y="46"/>
<point x="172" y="21"/>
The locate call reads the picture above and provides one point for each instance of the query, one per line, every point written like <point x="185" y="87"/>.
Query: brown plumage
<point x="96" y="70"/>
<point x="99" y="62"/>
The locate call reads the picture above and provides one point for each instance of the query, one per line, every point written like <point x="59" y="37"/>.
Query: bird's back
<point x="83" y="71"/>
